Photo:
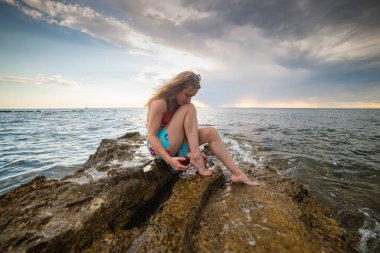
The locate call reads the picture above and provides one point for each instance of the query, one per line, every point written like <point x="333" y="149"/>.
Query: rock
<point x="268" y="218"/>
<point x="120" y="201"/>
<point x="67" y="215"/>
<point x="171" y="228"/>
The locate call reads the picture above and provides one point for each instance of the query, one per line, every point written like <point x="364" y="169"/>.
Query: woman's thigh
<point x="175" y="128"/>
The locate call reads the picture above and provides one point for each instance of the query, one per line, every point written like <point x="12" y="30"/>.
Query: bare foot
<point x="242" y="178"/>
<point x="198" y="163"/>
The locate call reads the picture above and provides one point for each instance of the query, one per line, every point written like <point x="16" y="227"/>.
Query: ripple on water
<point x="330" y="150"/>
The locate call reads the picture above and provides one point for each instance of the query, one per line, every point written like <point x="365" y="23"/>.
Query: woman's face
<point x="184" y="96"/>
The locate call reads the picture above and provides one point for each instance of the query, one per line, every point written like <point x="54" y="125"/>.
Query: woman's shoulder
<point x="159" y="104"/>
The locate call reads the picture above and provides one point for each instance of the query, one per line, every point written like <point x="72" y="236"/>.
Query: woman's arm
<point x="157" y="109"/>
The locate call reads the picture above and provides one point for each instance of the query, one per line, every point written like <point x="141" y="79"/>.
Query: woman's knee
<point x="208" y="134"/>
<point x="187" y="107"/>
<point x="213" y="133"/>
<point x="180" y="114"/>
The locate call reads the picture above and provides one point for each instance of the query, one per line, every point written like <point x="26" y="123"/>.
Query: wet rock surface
<point x="122" y="202"/>
<point x="277" y="216"/>
<point x="171" y="228"/>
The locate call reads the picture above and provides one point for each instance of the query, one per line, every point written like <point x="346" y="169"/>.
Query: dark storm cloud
<point x="282" y="20"/>
<point x="268" y="50"/>
<point x="291" y="18"/>
<point x="337" y="43"/>
<point x="272" y="50"/>
<point x="160" y="29"/>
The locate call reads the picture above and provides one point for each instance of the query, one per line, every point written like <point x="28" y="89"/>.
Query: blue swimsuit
<point x="163" y="137"/>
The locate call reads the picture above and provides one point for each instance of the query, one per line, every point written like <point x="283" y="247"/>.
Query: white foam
<point x="243" y="151"/>
<point x="96" y="174"/>
<point x="142" y="153"/>
<point x="129" y="164"/>
<point x="288" y="171"/>
<point x="365" y="212"/>
<point x="90" y="175"/>
<point x="366" y="234"/>
<point x="147" y="168"/>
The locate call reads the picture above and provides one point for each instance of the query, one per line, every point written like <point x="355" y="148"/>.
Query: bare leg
<point x="211" y="136"/>
<point x="184" y="123"/>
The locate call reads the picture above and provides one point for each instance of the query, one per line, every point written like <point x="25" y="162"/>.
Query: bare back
<point x="156" y="110"/>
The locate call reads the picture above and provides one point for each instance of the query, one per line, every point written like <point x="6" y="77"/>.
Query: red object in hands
<point x="186" y="161"/>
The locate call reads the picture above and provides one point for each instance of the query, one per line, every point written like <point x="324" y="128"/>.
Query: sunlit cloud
<point x="172" y="11"/>
<point x="198" y="103"/>
<point x="306" y="103"/>
<point x="312" y="54"/>
<point x="87" y="21"/>
<point x="107" y="28"/>
<point x="335" y="44"/>
<point x="40" y="79"/>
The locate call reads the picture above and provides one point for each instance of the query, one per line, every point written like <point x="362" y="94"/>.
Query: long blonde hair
<point x="180" y="82"/>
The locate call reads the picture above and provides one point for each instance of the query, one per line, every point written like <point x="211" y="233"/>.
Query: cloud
<point x="305" y="103"/>
<point x="27" y="11"/>
<point x="171" y="11"/>
<point x="295" y="34"/>
<point x="85" y="20"/>
<point x="322" y="32"/>
<point x="40" y="79"/>
<point x="198" y="103"/>
<point x="109" y="29"/>
<point x="300" y="52"/>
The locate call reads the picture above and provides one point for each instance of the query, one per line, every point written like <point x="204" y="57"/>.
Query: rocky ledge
<point x="120" y="201"/>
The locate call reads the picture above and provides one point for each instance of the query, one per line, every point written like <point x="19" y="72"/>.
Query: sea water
<point x="335" y="152"/>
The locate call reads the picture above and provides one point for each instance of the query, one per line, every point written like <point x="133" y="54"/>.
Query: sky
<point x="250" y="53"/>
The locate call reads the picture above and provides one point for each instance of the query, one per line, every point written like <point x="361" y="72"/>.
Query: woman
<point x="172" y="129"/>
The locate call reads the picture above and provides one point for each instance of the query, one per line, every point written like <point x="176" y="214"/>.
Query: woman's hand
<point x="175" y="163"/>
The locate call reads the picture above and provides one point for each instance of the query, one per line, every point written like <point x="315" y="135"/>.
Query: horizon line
<point x="226" y="107"/>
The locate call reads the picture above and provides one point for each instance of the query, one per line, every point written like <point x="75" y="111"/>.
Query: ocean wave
<point x="335" y="152"/>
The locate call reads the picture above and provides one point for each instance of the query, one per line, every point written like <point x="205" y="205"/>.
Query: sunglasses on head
<point x="195" y="77"/>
